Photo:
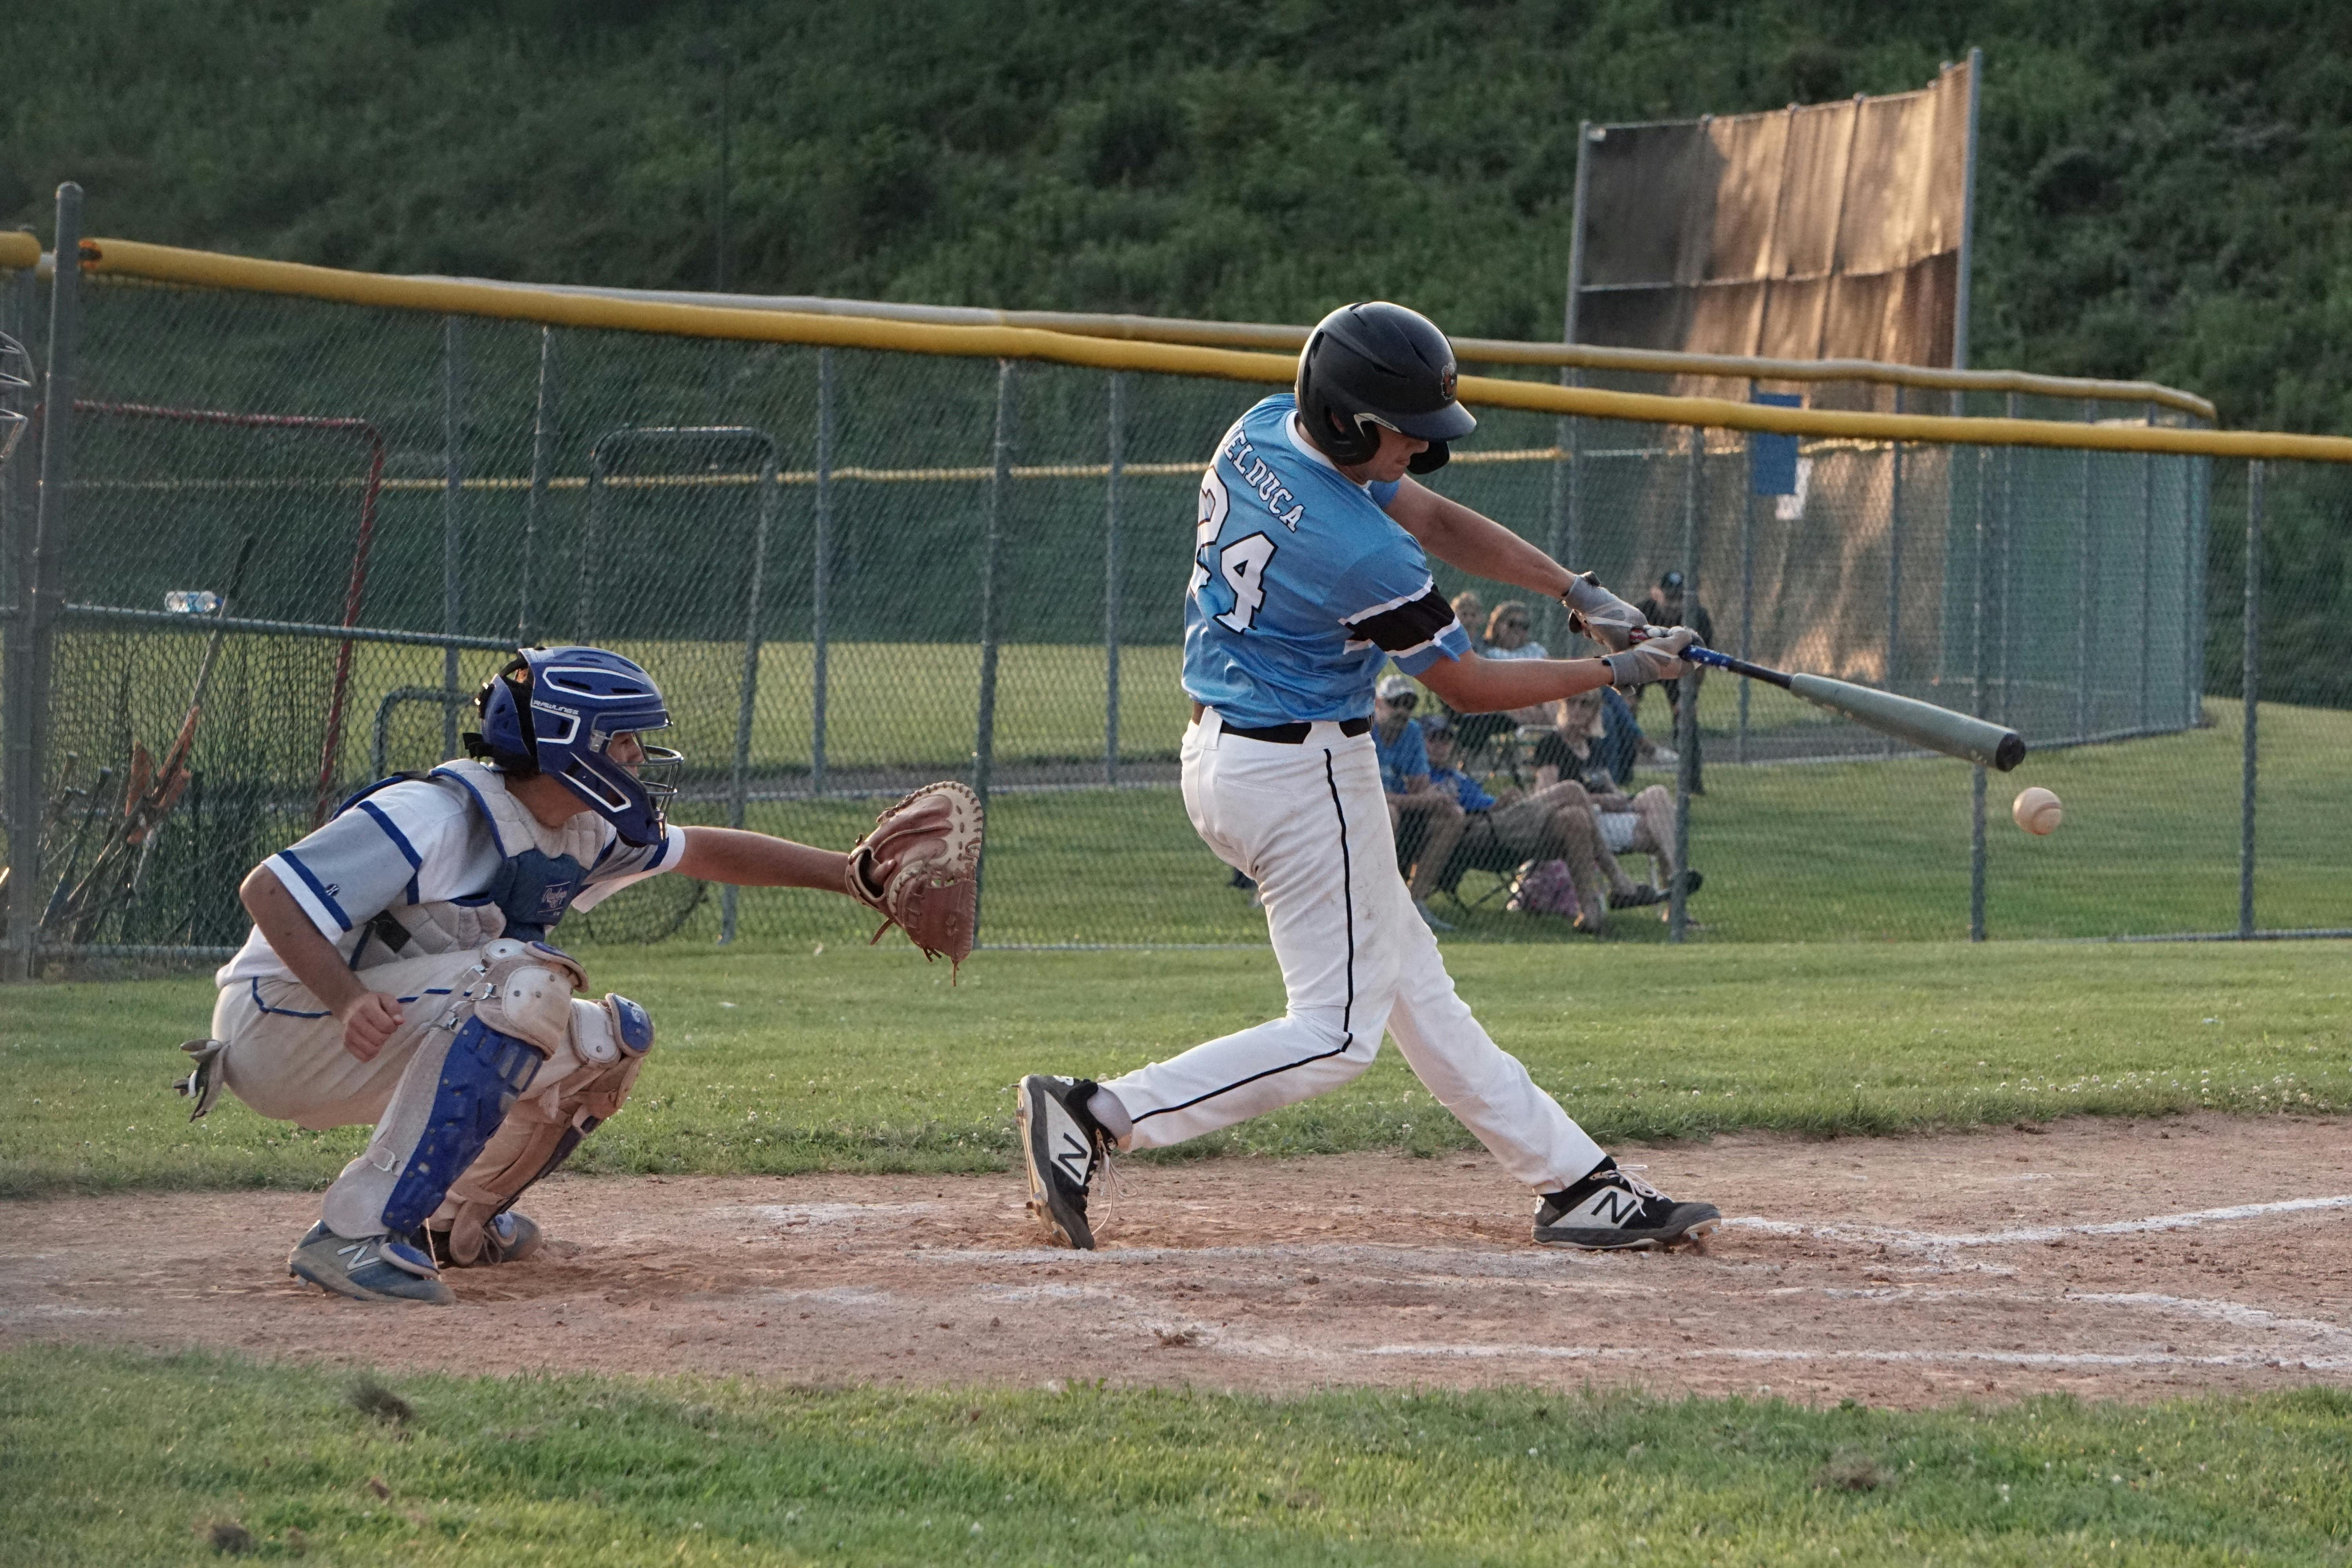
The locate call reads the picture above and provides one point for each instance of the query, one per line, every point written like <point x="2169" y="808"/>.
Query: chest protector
<point x="541" y="870"/>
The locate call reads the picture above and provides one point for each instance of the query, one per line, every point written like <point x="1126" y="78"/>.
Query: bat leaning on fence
<point x="1907" y="719"/>
<point x="148" y="796"/>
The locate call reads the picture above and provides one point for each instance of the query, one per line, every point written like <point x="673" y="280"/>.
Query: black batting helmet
<point x="1369" y="365"/>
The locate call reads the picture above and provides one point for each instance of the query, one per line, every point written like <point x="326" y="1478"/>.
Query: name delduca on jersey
<point x="1242" y="565"/>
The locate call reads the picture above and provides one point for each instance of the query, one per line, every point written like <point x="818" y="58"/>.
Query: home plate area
<point x="2106" y="1258"/>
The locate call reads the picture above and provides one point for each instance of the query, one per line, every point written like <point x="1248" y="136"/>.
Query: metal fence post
<point x="2250" y="694"/>
<point x="1894" y="561"/>
<point x="2143" y="718"/>
<point x="1978" y="703"/>
<point x="821" y="572"/>
<point x="983" y="754"/>
<point x="2086" y="594"/>
<point x="452" y="541"/>
<point x="2005" y="593"/>
<point x="542" y="458"/>
<point x="38" y="591"/>
<point x="2193" y="579"/>
<point x="740" y="786"/>
<point x="1111" y="578"/>
<point x="1686" y="705"/>
<point x="1568" y="472"/>
<point x="1747" y="612"/>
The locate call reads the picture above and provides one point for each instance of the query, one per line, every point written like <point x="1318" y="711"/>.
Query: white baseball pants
<point x="1309" y="824"/>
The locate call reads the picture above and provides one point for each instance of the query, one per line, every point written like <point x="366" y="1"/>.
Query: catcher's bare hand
<point x="1656" y="657"/>
<point x="919" y="867"/>
<point x="1596" y="612"/>
<point x="370" y="1019"/>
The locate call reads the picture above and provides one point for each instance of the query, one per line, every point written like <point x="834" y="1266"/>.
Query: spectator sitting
<point x="1504" y="830"/>
<point x="1593" y="745"/>
<point x="1471" y="611"/>
<point x="1425" y="820"/>
<point x="1508" y="630"/>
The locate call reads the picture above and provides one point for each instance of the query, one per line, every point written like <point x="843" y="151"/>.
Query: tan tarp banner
<point x="1825" y="231"/>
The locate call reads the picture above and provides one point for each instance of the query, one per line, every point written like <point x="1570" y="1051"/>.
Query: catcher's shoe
<point x="1612" y="1209"/>
<point x="1064" y="1146"/>
<point x="509" y="1238"/>
<point x="372" y="1268"/>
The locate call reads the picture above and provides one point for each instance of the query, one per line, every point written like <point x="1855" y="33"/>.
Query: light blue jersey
<point x="1302" y="585"/>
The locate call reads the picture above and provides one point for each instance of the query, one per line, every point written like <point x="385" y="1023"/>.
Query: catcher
<point x="399" y="972"/>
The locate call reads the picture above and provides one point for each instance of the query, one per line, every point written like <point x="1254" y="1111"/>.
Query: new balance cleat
<point x="1612" y="1209"/>
<point x="372" y="1268"/>
<point x="1064" y="1146"/>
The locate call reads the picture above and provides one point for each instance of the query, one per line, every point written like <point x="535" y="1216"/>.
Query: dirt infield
<point x="2111" y="1260"/>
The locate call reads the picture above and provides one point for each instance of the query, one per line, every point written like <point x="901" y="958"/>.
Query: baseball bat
<point x="1923" y="724"/>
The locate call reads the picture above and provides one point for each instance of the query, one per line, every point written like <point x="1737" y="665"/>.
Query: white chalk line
<point x="1894" y="1235"/>
<point x="1274" y="1349"/>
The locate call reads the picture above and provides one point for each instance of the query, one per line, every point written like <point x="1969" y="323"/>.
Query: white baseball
<point x="2038" y="811"/>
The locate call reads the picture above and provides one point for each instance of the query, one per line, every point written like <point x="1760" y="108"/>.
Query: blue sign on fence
<point x="1772" y="459"/>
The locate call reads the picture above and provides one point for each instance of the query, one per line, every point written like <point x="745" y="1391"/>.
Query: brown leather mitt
<point x="921" y="867"/>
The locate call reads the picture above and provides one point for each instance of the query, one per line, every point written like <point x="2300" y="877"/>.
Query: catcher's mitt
<point x="920" y="866"/>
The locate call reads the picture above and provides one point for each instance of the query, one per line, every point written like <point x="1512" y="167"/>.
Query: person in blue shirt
<point x="1426" y="820"/>
<point x="1310" y="571"/>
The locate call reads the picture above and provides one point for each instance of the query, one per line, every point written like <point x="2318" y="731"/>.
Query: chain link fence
<point x="289" y="536"/>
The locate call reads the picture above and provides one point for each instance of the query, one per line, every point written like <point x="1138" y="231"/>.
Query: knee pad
<point x="608" y="1043"/>
<point x="524" y="989"/>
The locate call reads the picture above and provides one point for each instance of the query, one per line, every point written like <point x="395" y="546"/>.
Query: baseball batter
<point x="398" y="970"/>
<point x="1310" y="574"/>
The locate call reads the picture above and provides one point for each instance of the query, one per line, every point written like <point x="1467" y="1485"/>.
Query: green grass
<point x="868" y="1060"/>
<point x="109" y="1458"/>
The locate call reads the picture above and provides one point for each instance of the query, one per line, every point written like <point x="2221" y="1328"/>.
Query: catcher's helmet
<point x="1368" y="365"/>
<point x="555" y="712"/>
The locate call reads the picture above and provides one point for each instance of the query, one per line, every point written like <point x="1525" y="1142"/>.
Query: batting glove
<point x="1656" y="657"/>
<point x="1599" y="614"/>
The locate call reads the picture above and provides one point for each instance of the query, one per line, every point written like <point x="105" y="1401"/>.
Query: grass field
<point x="869" y="1060"/>
<point x="112" y="1457"/>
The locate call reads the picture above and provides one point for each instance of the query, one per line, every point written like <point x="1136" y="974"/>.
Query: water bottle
<point x="191" y="602"/>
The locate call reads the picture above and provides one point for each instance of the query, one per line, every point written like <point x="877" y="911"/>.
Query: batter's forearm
<point x="759" y="861"/>
<point x="285" y="926"/>
<point x="1475" y="685"/>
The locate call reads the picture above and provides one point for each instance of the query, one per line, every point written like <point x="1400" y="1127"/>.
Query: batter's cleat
<point x="1611" y="1210"/>
<point x="1640" y="895"/>
<point x="1064" y="1146"/>
<point x="372" y="1268"/>
<point x="510" y="1237"/>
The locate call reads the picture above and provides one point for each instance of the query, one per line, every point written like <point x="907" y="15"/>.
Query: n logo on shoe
<point x="1615" y="1204"/>
<point x="1071" y="1161"/>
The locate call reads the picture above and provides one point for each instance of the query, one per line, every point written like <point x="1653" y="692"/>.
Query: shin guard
<point x="609" y="1042"/>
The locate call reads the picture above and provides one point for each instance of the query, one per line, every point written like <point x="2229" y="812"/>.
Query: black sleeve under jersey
<point x="1400" y="628"/>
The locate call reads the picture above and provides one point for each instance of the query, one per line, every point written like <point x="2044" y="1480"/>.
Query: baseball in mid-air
<point x="2038" y="811"/>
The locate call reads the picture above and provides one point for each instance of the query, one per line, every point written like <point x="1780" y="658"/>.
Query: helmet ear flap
<point x="1344" y="440"/>
<point x="1430" y="458"/>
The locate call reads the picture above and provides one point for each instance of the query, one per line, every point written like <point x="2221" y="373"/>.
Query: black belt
<point x="1296" y="734"/>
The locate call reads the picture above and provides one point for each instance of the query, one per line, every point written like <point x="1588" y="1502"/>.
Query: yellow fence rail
<point x="169" y="264"/>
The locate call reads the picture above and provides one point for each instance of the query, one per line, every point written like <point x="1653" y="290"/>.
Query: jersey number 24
<point x="1241" y="564"/>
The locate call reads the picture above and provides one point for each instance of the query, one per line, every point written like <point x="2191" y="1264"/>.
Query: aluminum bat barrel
<point x="1923" y="724"/>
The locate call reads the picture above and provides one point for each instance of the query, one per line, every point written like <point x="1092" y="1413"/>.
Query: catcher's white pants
<point x="286" y="1059"/>
<point x="1309" y="824"/>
